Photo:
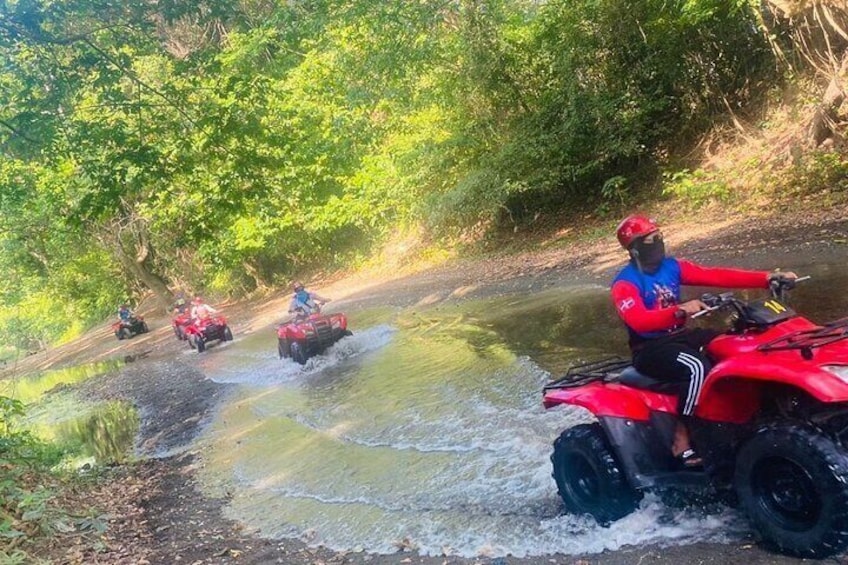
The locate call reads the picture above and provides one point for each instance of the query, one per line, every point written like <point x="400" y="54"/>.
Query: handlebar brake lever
<point x="704" y="312"/>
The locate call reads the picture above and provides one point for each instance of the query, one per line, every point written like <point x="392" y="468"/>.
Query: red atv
<point x="771" y="425"/>
<point x="200" y="332"/>
<point x="125" y="329"/>
<point x="180" y="322"/>
<point x="307" y="336"/>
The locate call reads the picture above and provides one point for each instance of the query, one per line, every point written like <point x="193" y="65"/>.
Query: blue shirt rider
<point x="125" y="314"/>
<point x="303" y="302"/>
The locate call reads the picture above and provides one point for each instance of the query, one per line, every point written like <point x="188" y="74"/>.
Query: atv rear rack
<point x="807" y="340"/>
<point x="601" y="370"/>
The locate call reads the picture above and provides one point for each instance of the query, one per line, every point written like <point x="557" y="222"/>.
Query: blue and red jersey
<point x="647" y="303"/>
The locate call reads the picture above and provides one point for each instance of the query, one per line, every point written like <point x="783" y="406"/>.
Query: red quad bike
<point x="180" y="322"/>
<point x="771" y="426"/>
<point x="307" y="336"/>
<point x="200" y="332"/>
<point x="125" y="329"/>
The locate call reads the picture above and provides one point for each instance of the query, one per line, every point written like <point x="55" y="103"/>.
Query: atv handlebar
<point x="778" y="287"/>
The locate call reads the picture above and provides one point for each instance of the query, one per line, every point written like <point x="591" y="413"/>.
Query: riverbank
<point x="156" y="514"/>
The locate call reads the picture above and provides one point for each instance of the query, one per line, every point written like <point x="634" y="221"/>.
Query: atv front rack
<point x="601" y="370"/>
<point x="807" y="340"/>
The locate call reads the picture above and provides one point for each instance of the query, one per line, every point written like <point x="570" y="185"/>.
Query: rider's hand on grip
<point x="785" y="279"/>
<point x="692" y="306"/>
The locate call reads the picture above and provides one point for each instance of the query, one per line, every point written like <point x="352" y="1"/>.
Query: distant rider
<point x="304" y="302"/>
<point x="180" y="304"/>
<point x="200" y="310"/>
<point x="646" y="294"/>
<point x="125" y="314"/>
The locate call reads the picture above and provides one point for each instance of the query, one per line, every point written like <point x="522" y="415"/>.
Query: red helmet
<point x="197" y="300"/>
<point x="633" y="227"/>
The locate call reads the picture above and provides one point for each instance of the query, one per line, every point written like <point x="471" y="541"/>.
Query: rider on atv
<point x="181" y="305"/>
<point x="646" y="294"/>
<point x="200" y="311"/>
<point x="125" y="314"/>
<point x="303" y="302"/>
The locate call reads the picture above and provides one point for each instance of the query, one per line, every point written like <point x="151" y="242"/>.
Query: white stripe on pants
<point x="696" y="380"/>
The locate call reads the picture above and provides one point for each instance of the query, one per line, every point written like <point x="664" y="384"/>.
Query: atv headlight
<point x="336" y="323"/>
<point x="840" y="371"/>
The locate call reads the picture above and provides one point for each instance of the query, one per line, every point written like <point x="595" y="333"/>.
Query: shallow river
<point x="425" y="429"/>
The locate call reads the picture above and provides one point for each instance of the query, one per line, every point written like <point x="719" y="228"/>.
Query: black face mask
<point x="648" y="256"/>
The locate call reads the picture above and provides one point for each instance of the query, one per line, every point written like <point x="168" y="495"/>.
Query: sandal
<point x="689" y="458"/>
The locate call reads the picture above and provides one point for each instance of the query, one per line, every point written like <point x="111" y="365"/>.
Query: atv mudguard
<point x="732" y="392"/>
<point x="613" y="399"/>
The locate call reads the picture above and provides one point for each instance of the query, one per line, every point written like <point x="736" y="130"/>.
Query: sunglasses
<point x="652" y="237"/>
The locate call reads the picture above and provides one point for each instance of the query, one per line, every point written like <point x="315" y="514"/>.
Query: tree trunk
<point x="824" y="120"/>
<point x="131" y="245"/>
<point x="148" y="278"/>
<point x="258" y="280"/>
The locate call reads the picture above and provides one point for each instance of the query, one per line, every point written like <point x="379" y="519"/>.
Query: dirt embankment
<point x="156" y="514"/>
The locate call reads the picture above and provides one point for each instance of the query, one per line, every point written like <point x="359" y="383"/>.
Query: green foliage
<point x="819" y="172"/>
<point x="23" y="501"/>
<point x="695" y="188"/>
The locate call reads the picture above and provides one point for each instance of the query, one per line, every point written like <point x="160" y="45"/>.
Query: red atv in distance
<point x="125" y="329"/>
<point x="771" y="426"/>
<point x="201" y="331"/>
<point x="180" y="322"/>
<point x="310" y="335"/>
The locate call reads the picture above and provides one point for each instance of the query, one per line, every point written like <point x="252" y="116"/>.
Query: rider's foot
<point x="689" y="458"/>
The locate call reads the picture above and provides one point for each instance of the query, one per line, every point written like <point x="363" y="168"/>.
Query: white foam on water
<point x="258" y="363"/>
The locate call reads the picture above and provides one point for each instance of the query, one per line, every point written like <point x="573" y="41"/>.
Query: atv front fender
<point x="612" y="399"/>
<point x="732" y="390"/>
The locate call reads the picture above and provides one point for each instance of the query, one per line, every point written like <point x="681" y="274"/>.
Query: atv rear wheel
<point x="298" y="353"/>
<point x="792" y="482"/>
<point x="283" y="348"/>
<point x="589" y="478"/>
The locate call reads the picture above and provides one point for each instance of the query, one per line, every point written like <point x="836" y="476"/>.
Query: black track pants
<point x="678" y="359"/>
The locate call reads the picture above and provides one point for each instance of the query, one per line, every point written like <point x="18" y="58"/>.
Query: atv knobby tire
<point x="589" y="478"/>
<point x="792" y="481"/>
<point x="298" y="353"/>
<point x="283" y="348"/>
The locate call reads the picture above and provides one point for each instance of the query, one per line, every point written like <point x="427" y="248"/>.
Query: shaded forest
<point x="224" y="146"/>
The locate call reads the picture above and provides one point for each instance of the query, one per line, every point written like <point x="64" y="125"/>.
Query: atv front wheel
<point x="200" y="344"/>
<point x="588" y="476"/>
<point x="298" y="353"/>
<point x="792" y="482"/>
<point x="228" y="334"/>
<point x="283" y="348"/>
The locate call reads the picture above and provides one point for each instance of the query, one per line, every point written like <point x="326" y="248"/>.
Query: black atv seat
<point x="631" y="377"/>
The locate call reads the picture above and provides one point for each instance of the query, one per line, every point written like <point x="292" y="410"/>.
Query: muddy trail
<point x="157" y="512"/>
